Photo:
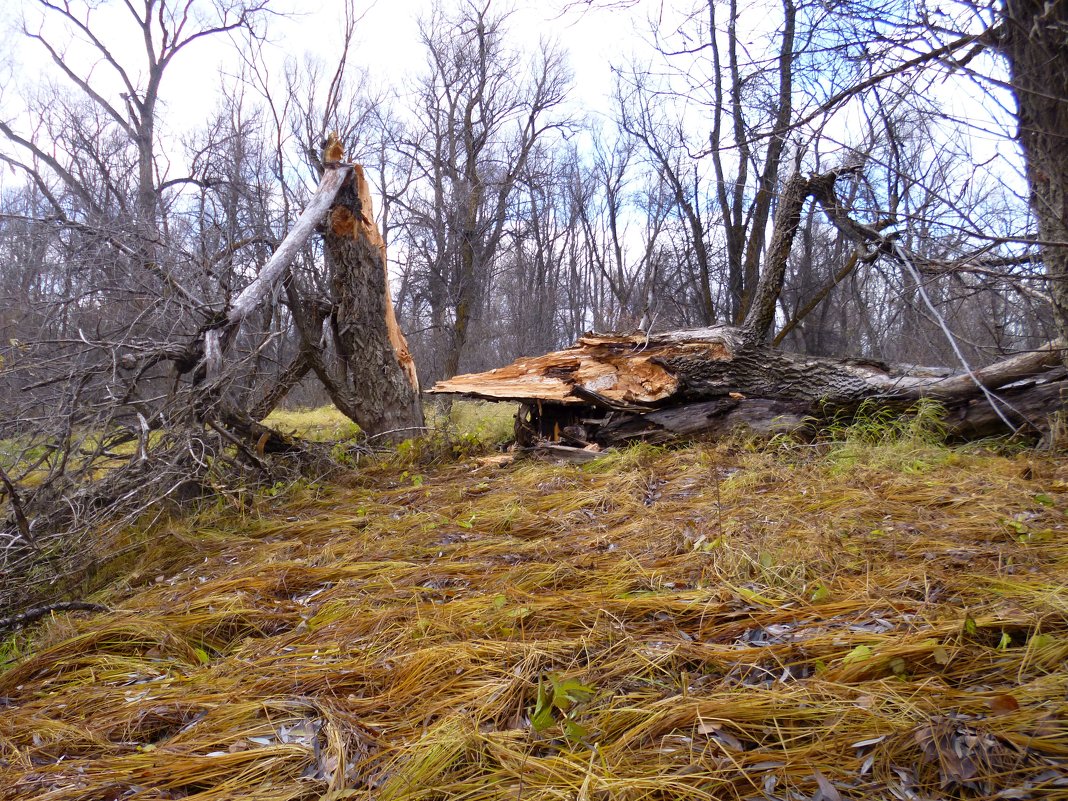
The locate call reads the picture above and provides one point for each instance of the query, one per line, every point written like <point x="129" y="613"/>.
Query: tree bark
<point x="612" y="388"/>
<point x="1036" y="47"/>
<point x="374" y="379"/>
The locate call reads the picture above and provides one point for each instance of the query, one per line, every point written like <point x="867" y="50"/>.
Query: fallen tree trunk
<point x="608" y="389"/>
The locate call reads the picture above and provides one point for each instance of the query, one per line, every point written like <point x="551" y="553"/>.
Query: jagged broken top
<point x="622" y="368"/>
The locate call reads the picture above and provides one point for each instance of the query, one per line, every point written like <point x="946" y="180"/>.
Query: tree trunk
<point x="769" y="177"/>
<point x="375" y="382"/>
<point x="761" y="315"/>
<point x="1036" y="47"/>
<point x="370" y="375"/>
<point x="613" y="388"/>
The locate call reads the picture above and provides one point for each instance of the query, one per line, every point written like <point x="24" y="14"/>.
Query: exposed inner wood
<point x="621" y="369"/>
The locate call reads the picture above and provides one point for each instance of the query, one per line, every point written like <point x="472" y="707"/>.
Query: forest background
<point x="528" y="191"/>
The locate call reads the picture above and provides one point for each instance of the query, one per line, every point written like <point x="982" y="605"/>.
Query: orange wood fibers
<point x="621" y="368"/>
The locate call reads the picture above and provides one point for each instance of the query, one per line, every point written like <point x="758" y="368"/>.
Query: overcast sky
<point x="387" y="44"/>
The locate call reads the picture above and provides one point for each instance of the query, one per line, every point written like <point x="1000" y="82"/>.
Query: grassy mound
<point x="885" y="621"/>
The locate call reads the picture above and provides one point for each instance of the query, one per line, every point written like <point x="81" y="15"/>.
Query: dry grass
<point x="702" y="623"/>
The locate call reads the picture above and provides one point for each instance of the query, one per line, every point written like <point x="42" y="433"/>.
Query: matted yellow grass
<point x="699" y="624"/>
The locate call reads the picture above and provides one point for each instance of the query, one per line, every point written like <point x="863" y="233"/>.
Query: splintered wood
<point x="618" y="370"/>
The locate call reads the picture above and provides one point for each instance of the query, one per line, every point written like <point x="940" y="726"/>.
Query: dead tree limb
<point x="218" y="336"/>
<point x="23" y="619"/>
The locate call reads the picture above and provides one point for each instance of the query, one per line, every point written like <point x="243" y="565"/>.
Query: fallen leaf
<point x="1003" y="704"/>
<point x="715" y="731"/>
<point x="1042" y="641"/>
<point x="866" y="743"/>
<point x="729" y="740"/>
<point x="865" y="701"/>
<point x="859" y="654"/>
<point x="830" y="792"/>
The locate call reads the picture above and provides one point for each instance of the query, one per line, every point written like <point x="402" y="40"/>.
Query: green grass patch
<point x="324" y="424"/>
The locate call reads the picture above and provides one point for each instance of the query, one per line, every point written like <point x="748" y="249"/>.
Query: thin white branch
<point x="995" y="402"/>
<point x="300" y="233"/>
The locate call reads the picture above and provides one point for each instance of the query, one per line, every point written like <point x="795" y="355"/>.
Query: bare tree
<point x="1034" y="38"/>
<point x="158" y="340"/>
<point x="166" y="28"/>
<point x="481" y="109"/>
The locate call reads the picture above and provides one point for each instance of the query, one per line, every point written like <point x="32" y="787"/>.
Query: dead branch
<point x="32" y="615"/>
